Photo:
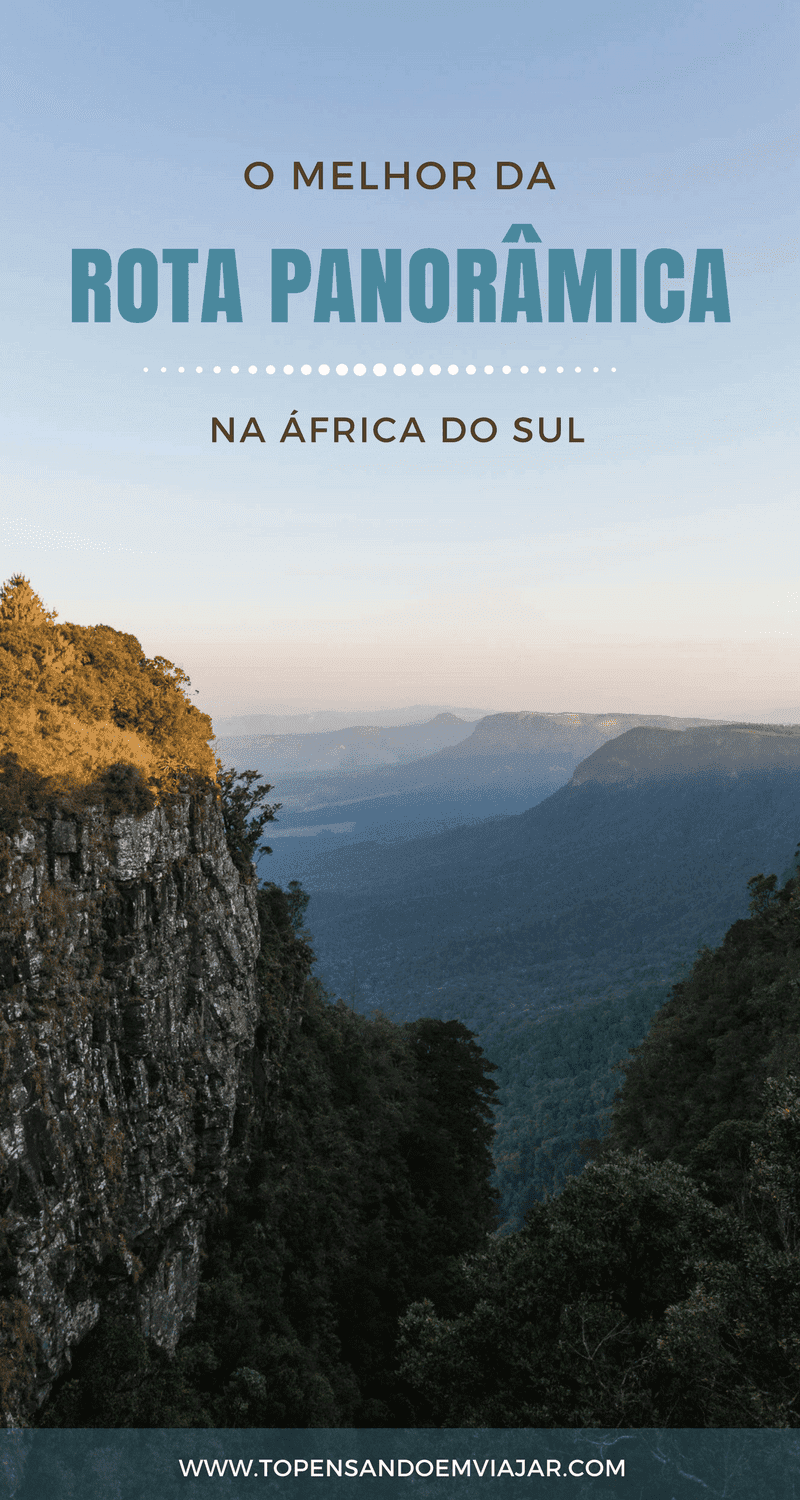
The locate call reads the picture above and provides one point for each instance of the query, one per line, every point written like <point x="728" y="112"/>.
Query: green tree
<point x="561" y="1322"/>
<point x="693" y="1091"/>
<point x="246" y="814"/>
<point x="661" y="1287"/>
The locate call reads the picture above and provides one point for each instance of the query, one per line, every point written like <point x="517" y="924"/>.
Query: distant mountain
<point x="597" y="897"/>
<point x="360" y="747"/>
<point x="732" y="749"/>
<point x="507" y="763"/>
<point x="323" y="720"/>
<point x="616" y="863"/>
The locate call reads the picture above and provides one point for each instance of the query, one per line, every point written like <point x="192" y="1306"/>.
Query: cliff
<point x="212" y="1180"/>
<point x="127" y="1020"/>
<point x="723" y="751"/>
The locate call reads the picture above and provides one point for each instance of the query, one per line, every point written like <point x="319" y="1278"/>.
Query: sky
<point x="652" y="567"/>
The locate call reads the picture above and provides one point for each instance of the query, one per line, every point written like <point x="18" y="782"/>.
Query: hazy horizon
<point x="744" y="681"/>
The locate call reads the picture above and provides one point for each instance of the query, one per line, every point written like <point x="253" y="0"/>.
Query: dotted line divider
<point x="378" y="370"/>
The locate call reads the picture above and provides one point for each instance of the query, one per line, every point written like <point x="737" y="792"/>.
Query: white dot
<point x="359" y="369"/>
<point x="452" y="369"/>
<point x="305" y="369"/>
<point x="252" y="369"/>
<point x="470" y="369"/>
<point x="523" y="369"/>
<point x="506" y="369"/>
<point x="596" y="370"/>
<point x="180" y="370"/>
<point x="488" y="369"/>
<point x="199" y="370"/>
<point x="399" y="369"/>
<point x="559" y="369"/>
<point x="379" y="369"/>
<point x="324" y="369"/>
<point x="577" y="369"/>
<point x="417" y="369"/>
<point x="145" y="371"/>
<point x="613" y="369"/>
<point x="341" y="369"/>
<point x="436" y="369"/>
<point x="543" y="369"/>
<point x="217" y="369"/>
<point x="163" y="369"/>
<point x="288" y="369"/>
<point x="234" y="369"/>
<point x="270" y="369"/>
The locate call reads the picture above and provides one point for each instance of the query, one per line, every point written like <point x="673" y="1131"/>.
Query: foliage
<point x="557" y="1076"/>
<point x="246" y="814"/>
<point x="693" y="1090"/>
<point x="78" y="702"/>
<point x="560" y="1316"/>
<point x="631" y="1300"/>
<point x="661" y="1288"/>
<point x="338" y="1222"/>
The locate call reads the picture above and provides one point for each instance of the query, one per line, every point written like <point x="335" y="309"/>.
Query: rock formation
<point x="127" y="1020"/>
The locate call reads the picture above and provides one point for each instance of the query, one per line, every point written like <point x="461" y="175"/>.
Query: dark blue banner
<point x="605" y="1464"/>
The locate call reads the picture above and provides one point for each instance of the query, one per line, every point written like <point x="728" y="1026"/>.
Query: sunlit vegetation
<point x="83" y="706"/>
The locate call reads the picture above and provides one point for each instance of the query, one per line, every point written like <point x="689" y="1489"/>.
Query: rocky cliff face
<point x="127" y="1020"/>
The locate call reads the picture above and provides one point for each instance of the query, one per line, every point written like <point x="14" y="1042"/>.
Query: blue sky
<point x="652" y="567"/>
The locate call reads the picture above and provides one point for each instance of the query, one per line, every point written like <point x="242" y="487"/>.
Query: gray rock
<point x="127" y="1017"/>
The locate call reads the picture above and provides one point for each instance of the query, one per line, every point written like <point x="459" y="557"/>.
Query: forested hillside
<point x="610" y="873"/>
<point x="661" y="1287"/>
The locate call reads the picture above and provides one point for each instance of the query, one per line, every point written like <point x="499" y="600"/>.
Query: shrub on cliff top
<point x="76" y="701"/>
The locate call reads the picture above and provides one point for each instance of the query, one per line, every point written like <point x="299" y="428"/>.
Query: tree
<point x="693" y="1091"/>
<point x="449" y="1139"/>
<point x="561" y="1319"/>
<point x="246" y="814"/>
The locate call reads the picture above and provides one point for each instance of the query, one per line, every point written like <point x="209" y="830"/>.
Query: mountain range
<point x="555" y="933"/>
<point x="436" y="775"/>
<point x="325" y="720"/>
<point x="355" y="748"/>
<point x="617" y="863"/>
<point x="543" y="878"/>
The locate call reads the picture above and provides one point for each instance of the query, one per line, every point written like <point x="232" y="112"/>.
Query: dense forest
<point x="659" y="1288"/>
<point x="662" y="1286"/>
